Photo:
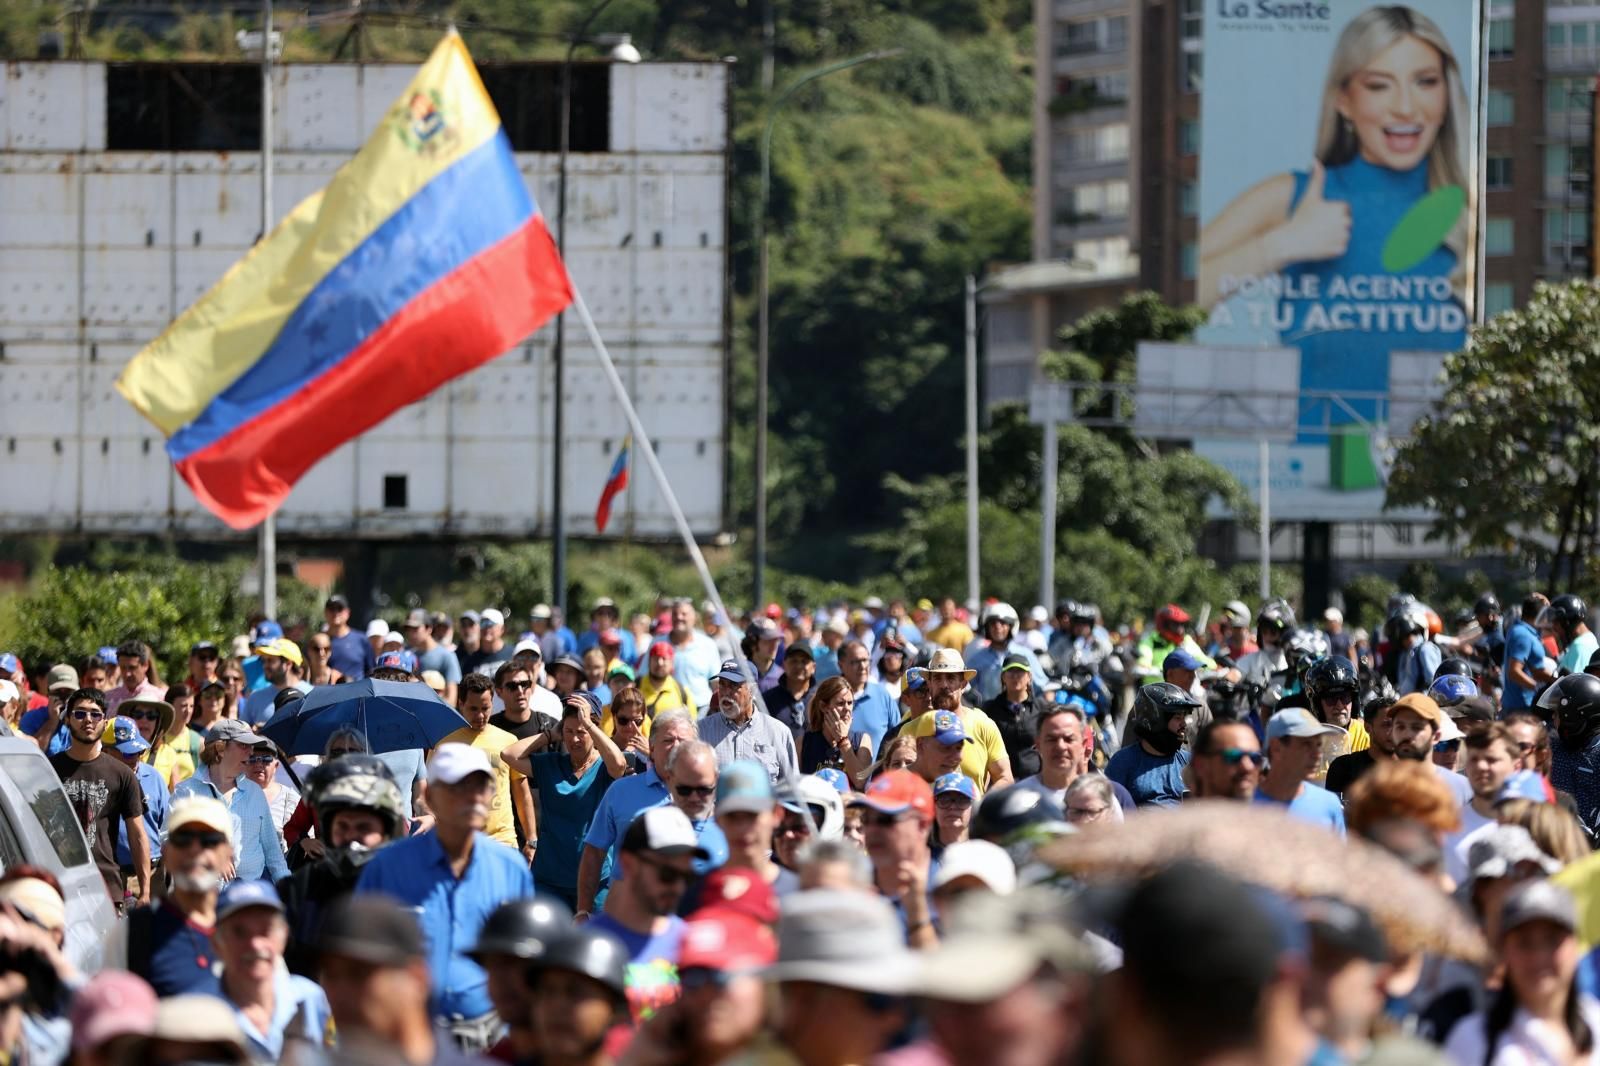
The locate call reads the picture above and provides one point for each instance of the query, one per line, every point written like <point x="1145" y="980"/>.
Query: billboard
<point x="1337" y="209"/>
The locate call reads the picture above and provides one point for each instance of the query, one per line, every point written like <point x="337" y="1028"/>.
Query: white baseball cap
<point x="987" y="862"/>
<point x="529" y="646"/>
<point x="1333" y="614"/>
<point x="377" y="628"/>
<point x="394" y="636"/>
<point x="8" y="690"/>
<point x="491" y="616"/>
<point x="453" y="762"/>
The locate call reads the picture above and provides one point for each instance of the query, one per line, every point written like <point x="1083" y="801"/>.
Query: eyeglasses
<point x="1234" y="756"/>
<point x="520" y="686"/>
<point x="952" y="801"/>
<point x="670" y="875"/>
<point x="261" y="760"/>
<point x="1075" y="814"/>
<point x="188" y="838"/>
<point x="694" y="790"/>
<point x="88" y="716"/>
<point x="633" y="722"/>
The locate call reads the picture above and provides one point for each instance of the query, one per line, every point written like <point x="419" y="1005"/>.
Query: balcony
<point x="1572" y="58"/>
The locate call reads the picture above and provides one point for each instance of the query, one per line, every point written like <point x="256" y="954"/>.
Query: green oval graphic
<point x="1423" y="228"/>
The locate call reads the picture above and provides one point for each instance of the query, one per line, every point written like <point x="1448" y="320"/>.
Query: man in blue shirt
<point x="1525" y="665"/>
<point x="605" y="618"/>
<point x="129" y="746"/>
<point x="352" y="653"/>
<point x="250" y="938"/>
<point x="657" y="853"/>
<point x="1294" y="748"/>
<point x="62" y="682"/>
<point x="454" y="875"/>
<point x="1152" y="769"/>
<point x="875" y="709"/>
<point x="282" y="664"/>
<point x="625" y="799"/>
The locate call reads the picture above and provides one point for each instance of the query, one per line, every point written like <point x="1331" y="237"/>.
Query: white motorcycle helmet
<point x="819" y="795"/>
<point x="1002" y="611"/>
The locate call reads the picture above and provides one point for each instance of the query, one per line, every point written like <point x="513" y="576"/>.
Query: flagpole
<point x="269" y="525"/>
<point x="642" y="439"/>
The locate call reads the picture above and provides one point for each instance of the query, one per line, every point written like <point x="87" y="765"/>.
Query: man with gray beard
<point x="169" y="942"/>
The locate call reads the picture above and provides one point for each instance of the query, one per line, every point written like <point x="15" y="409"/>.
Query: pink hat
<point x="114" y="1003"/>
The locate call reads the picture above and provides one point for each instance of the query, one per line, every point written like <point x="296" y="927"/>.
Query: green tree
<point x="1510" y="459"/>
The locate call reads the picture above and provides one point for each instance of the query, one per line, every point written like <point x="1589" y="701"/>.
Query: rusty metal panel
<point x="313" y="109"/>
<point x="218" y="200"/>
<point x="47" y="107"/>
<point x="40" y="197"/>
<point x="668" y="107"/>
<point x="127" y="200"/>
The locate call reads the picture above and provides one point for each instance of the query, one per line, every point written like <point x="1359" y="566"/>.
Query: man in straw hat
<point x="984" y="759"/>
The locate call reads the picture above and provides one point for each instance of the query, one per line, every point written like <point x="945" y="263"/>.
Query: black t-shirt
<point x="1018" y="725"/>
<point x="103" y="793"/>
<point x="521" y="730"/>
<point x="1346" y="770"/>
<point x="788" y="708"/>
<point x="484" y="662"/>
<point x="817" y="754"/>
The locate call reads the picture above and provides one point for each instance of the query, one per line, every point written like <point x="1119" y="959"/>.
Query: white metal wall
<point x="100" y="250"/>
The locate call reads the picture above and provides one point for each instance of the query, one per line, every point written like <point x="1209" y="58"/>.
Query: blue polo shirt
<point x="875" y="711"/>
<point x="1313" y="804"/>
<point x="299" y="1008"/>
<point x="621" y="804"/>
<point x="416" y="872"/>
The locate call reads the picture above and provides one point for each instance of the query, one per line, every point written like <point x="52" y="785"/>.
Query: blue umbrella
<point x="392" y="715"/>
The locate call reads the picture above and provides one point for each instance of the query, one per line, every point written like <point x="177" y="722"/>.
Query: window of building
<point x="1498" y="296"/>
<point x="1501" y="38"/>
<point x="1116" y="33"/>
<point x="1193" y="19"/>
<point x="1098" y="144"/>
<point x="1501" y="107"/>
<point x="1190" y="69"/>
<point x="1191" y="261"/>
<point x="1497" y="236"/>
<point x="1108" y="255"/>
<point x="1568" y="97"/>
<point x="183" y="107"/>
<point x="1091" y="36"/>
<point x="1189" y="199"/>
<point x="1497" y="172"/>
<point x="1099" y="200"/>
<point x="1566" y="227"/>
<point x="1189" y="136"/>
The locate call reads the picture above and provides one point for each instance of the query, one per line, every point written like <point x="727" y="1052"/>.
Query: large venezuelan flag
<point x="424" y="258"/>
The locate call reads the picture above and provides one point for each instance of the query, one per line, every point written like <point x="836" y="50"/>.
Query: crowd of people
<point x="636" y="834"/>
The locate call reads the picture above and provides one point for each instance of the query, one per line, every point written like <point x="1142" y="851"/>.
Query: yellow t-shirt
<point x="670" y="695"/>
<point x="984" y="743"/>
<point x="493" y="740"/>
<point x="953" y="635"/>
<point x="172" y="762"/>
<point x="610" y="727"/>
<point x="1359" y="739"/>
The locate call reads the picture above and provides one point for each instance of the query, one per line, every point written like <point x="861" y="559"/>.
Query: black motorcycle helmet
<point x="523" y="929"/>
<point x="1568" y="610"/>
<point x="1329" y="676"/>
<point x="1006" y="810"/>
<point x="1488" y="606"/>
<point x="594" y="954"/>
<point x="1572" y="704"/>
<point x="361" y="781"/>
<point x="1453" y="665"/>
<point x="1154" y="707"/>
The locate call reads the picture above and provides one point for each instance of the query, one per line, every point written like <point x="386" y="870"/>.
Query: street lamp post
<point x="623" y="52"/>
<point x="760" y="578"/>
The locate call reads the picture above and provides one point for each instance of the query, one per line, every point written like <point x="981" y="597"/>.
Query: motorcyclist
<point x="358" y="809"/>
<point x="1268" y="662"/>
<point x="1491" y="647"/>
<point x="1151" y="765"/>
<point x="986" y="654"/>
<point x="1302" y="649"/>
<point x="1573" y="702"/>
<point x="1170" y="633"/>
<point x="1568" y="618"/>
<point x="1419" y="657"/>
<point x="1080" y="641"/>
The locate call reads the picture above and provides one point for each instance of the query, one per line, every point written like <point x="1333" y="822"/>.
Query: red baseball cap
<point x="740" y="891"/>
<point x="896" y="792"/>
<point x="662" y="648"/>
<point x="725" y="940"/>
<point x="611" y="638"/>
<point x="774" y="612"/>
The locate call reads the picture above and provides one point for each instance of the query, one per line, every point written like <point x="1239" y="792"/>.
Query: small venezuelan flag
<point x="614" y="485"/>
<point x="424" y="258"/>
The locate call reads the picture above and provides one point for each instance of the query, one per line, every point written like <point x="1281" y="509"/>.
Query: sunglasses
<point x="694" y="790"/>
<point x="1526" y="747"/>
<point x="670" y="875"/>
<point x="140" y="716"/>
<point x="695" y="977"/>
<point x="795" y="828"/>
<point x="88" y="716"/>
<point x="262" y="760"/>
<point x="338" y="753"/>
<point x="1235" y="756"/>
<point x="188" y="838"/>
<point x="880" y="820"/>
<point x="520" y="686"/>
<point x="634" y="722"/>
<point x="953" y="801"/>
<point x="1447" y="745"/>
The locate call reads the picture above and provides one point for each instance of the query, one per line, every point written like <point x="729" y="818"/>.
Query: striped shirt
<point x="763" y="738"/>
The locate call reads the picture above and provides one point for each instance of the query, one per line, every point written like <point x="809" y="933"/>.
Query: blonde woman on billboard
<point x="1392" y="130"/>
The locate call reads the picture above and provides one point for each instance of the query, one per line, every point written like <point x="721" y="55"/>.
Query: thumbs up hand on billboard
<point x="1318" y="228"/>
